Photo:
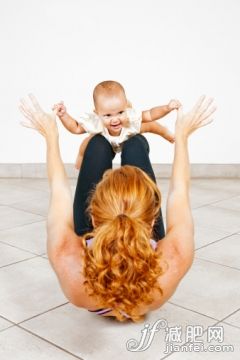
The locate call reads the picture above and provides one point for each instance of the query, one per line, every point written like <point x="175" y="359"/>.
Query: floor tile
<point x="9" y="255"/>
<point x="208" y="191"/>
<point x="232" y="204"/>
<point x="217" y="218"/>
<point x="10" y="194"/>
<point x="29" y="183"/>
<point x="223" y="252"/>
<point x="206" y="235"/>
<point x="34" y="206"/>
<point x="231" y="186"/>
<point x="94" y="337"/>
<point x="17" y="344"/>
<point x="231" y="337"/>
<point x="200" y="197"/>
<point x="28" y="288"/>
<point x="30" y="237"/>
<point x="4" y="324"/>
<point x="10" y="218"/>
<point x="210" y="289"/>
<point x="233" y="319"/>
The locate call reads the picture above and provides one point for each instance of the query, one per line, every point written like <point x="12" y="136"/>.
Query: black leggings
<point x="97" y="159"/>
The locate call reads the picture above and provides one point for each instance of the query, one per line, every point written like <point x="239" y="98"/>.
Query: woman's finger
<point x="35" y="103"/>
<point x="198" y="104"/>
<point x="24" y="112"/>
<point x="207" y="114"/>
<point x="27" y="125"/>
<point x="205" y="106"/>
<point x="26" y="106"/>
<point x="205" y="122"/>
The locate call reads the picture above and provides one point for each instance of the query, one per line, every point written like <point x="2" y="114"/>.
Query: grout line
<point x="17" y="226"/>
<point x="25" y="211"/>
<point x="4" y="318"/>
<point x="17" y="262"/>
<point x="29" y="212"/>
<point x="50" y="342"/>
<point x="9" y="326"/>
<point x="235" y="326"/>
<point x="233" y="196"/>
<point x="234" y="312"/>
<point x="42" y="313"/>
<point x="215" y="241"/>
<point x="197" y="312"/>
<point x="213" y="262"/>
<point x="215" y="202"/>
<point x="16" y="247"/>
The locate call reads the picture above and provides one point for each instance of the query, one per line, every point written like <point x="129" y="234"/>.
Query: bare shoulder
<point x="174" y="269"/>
<point x="67" y="262"/>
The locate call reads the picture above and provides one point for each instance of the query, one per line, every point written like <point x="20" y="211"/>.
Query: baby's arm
<point x="160" y="111"/>
<point x="156" y="128"/>
<point x="68" y="122"/>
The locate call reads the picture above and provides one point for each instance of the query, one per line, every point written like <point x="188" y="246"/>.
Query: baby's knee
<point x="99" y="144"/>
<point x="135" y="142"/>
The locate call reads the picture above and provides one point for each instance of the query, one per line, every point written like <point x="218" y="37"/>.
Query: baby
<point x="114" y="118"/>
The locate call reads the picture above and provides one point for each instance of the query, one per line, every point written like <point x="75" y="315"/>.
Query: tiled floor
<point x="37" y="322"/>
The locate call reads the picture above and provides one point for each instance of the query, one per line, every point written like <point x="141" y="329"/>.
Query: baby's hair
<point x="108" y="87"/>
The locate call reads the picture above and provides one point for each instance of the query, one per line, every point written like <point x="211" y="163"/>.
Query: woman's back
<point x="69" y="266"/>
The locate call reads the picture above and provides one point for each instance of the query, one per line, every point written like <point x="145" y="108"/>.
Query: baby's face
<point x="112" y="111"/>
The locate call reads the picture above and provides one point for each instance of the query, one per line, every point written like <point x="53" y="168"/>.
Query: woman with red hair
<point x="105" y="249"/>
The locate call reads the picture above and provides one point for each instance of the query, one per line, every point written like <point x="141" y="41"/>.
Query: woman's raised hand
<point x="37" y="119"/>
<point x="200" y="115"/>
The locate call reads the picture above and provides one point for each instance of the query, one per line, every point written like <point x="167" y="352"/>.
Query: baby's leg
<point x="81" y="152"/>
<point x="97" y="159"/>
<point x="156" y="128"/>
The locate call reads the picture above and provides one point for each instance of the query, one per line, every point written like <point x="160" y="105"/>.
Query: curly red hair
<point x="120" y="267"/>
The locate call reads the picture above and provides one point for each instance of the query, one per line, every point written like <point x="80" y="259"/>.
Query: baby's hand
<point x="60" y="109"/>
<point x="174" y="104"/>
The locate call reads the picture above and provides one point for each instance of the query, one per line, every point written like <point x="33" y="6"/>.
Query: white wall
<point x="60" y="49"/>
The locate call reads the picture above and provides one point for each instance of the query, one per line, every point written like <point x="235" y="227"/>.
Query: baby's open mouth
<point x="115" y="126"/>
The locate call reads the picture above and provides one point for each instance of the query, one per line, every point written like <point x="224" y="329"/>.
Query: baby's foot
<point x="169" y="136"/>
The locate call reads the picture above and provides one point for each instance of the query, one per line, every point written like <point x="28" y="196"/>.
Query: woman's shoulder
<point x="68" y="266"/>
<point x="173" y="271"/>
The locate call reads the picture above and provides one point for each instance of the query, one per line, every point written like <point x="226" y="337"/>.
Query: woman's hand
<point x="199" y="116"/>
<point x="37" y="119"/>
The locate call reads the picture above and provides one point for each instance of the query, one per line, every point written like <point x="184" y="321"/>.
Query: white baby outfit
<point x="93" y="124"/>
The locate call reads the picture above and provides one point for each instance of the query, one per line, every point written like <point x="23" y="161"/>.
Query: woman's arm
<point x="60" y="213"/>
<point x="180" y="230"/>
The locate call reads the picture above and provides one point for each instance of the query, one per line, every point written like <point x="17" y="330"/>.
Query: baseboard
<point x="161" y="170"/>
